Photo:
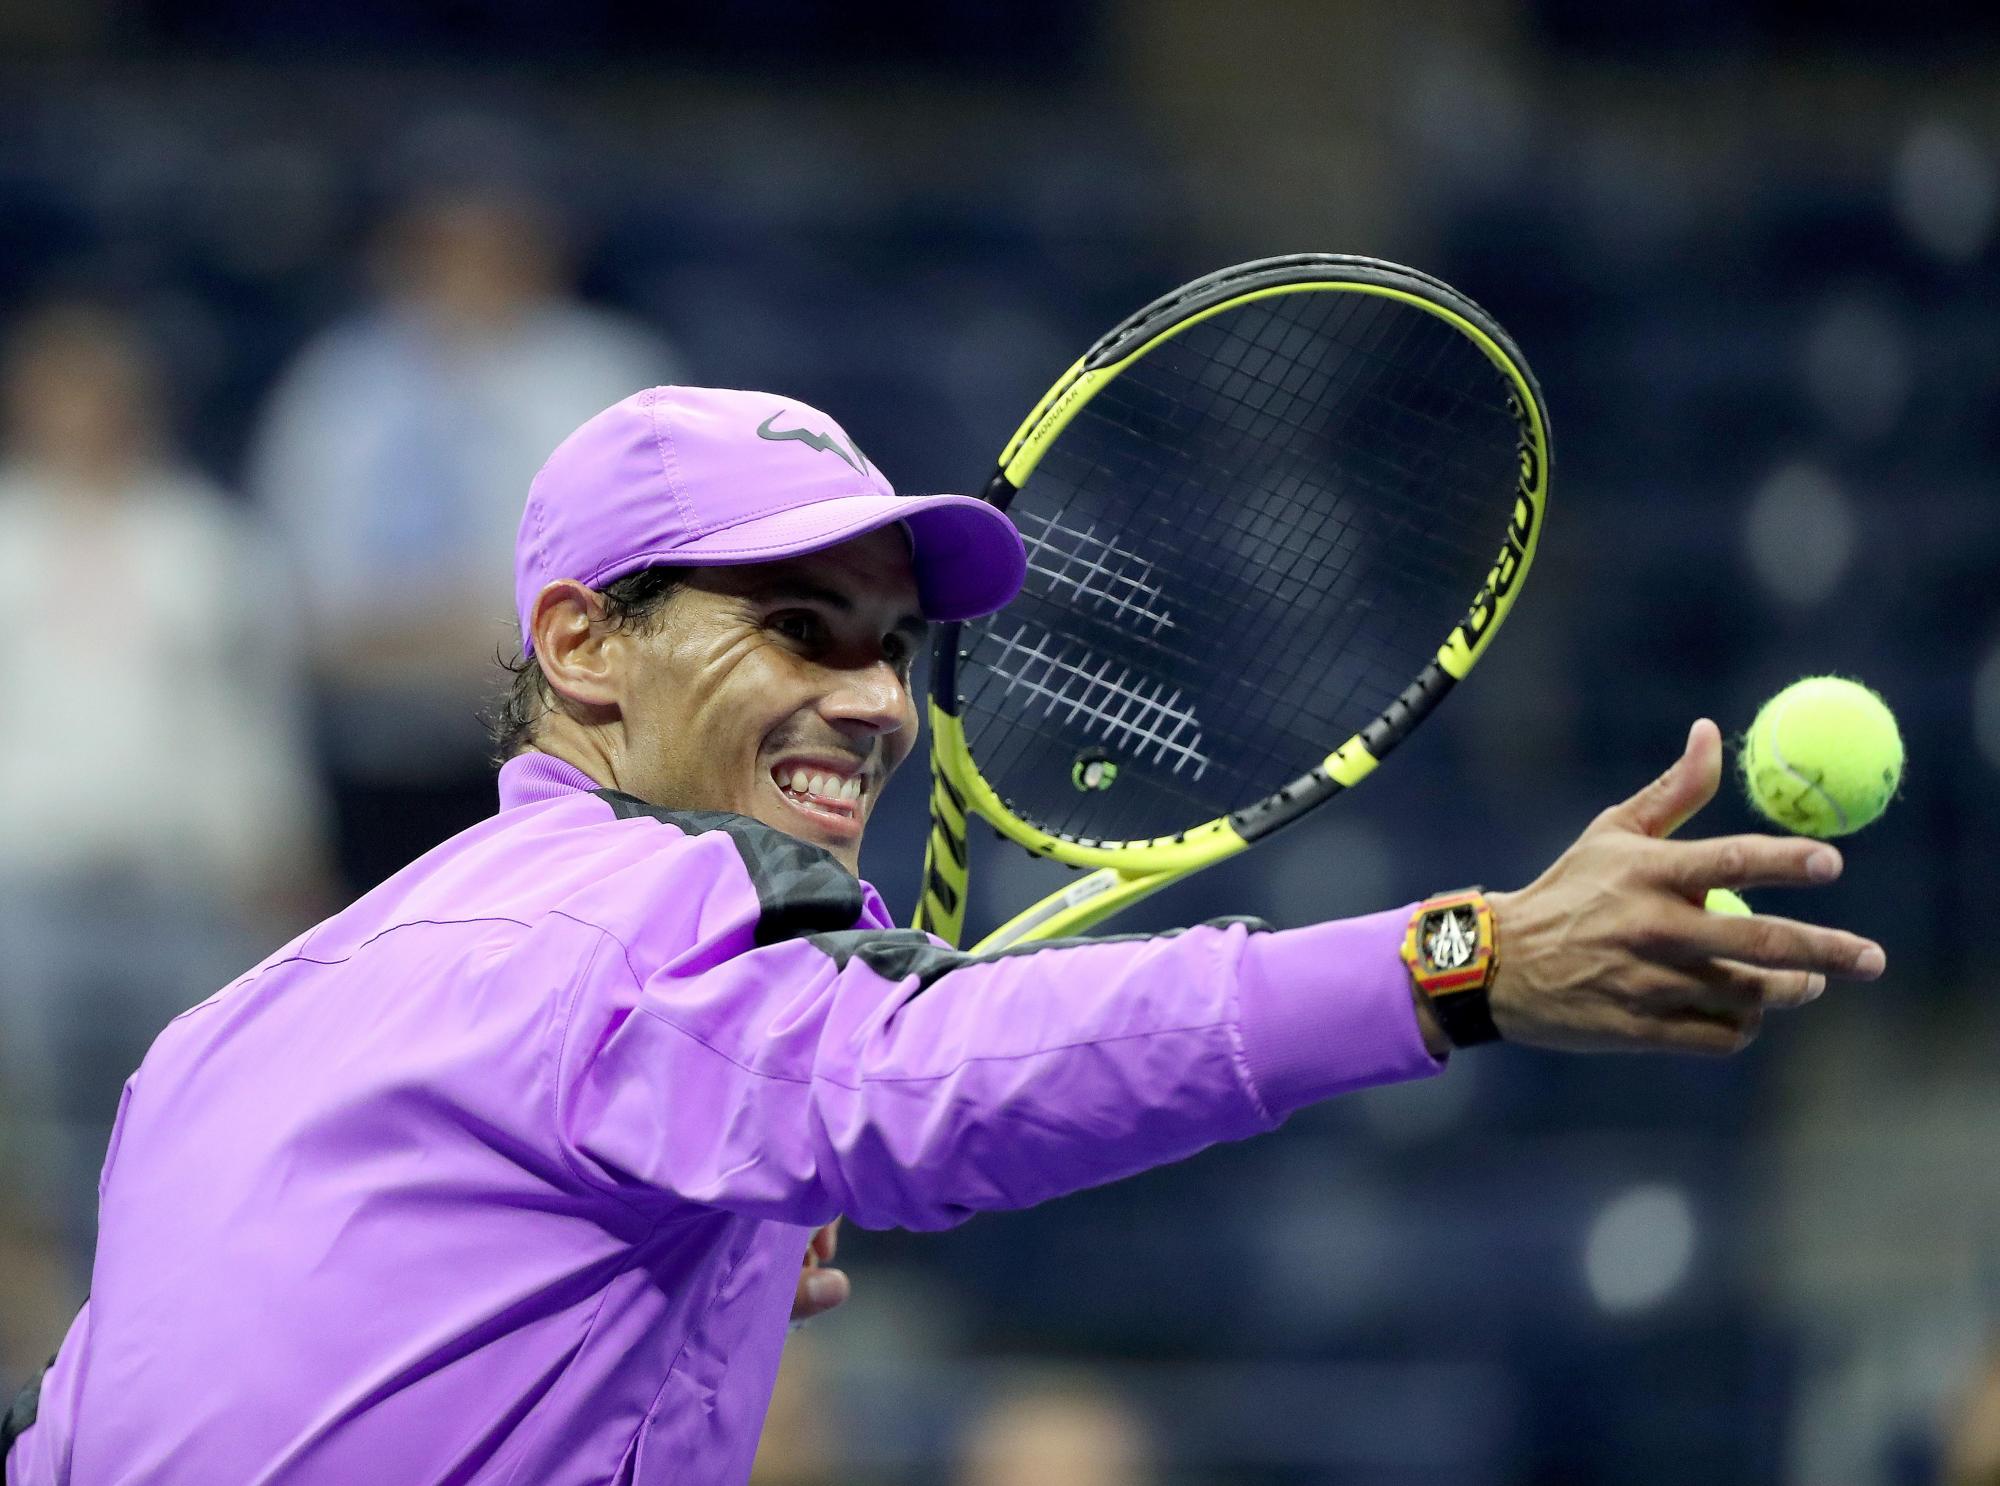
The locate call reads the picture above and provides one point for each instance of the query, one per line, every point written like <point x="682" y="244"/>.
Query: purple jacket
<point x="505" y="1173"/>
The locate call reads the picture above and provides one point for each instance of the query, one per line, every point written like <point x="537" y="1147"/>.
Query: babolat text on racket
<point x="1271" y="520"/>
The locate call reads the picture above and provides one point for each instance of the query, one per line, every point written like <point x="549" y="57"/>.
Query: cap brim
<point x="968" y="557"/>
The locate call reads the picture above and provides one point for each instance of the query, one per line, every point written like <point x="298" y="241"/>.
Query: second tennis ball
<point x="1823" y="757"/>
<point x="1722" y="900"/>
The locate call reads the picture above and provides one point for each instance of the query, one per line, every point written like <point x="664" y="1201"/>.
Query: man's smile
<point x="827" y="790"/>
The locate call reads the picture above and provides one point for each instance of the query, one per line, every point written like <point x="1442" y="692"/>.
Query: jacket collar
<point x="530" y="778"/>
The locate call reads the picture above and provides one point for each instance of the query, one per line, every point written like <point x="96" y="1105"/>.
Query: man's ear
<point x="573" y="644"/>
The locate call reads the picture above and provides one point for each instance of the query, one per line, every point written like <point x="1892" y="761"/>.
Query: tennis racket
<point x="1262" y="518"/>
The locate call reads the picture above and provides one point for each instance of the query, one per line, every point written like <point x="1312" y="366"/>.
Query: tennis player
<point x="506" y="1173"/>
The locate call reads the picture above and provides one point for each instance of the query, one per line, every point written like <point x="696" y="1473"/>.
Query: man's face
<point x="780" y="691"/>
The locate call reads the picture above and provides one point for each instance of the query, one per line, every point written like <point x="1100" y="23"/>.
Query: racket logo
<point x="1487" y="603"/>
<point x="825" y="443"/>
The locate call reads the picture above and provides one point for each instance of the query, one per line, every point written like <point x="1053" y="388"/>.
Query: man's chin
<point x="840" y="838"/>
<point x="847" y="853"/>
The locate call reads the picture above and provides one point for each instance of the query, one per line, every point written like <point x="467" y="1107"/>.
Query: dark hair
<point x="633" y="602"/>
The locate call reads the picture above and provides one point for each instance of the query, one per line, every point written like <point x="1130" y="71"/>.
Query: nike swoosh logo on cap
<point x="825" y="443"/>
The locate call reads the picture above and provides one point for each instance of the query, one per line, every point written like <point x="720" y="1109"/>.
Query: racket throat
<point x="1087" y="901"/>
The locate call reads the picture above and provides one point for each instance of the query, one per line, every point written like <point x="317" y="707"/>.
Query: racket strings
<point x="1240" y="553"/>
<point x="1093" y="569"/>
<point x="1281" y="513"/>
<point x="1072" y="696"/>
<point x="1293" y="509"/>
<point x="1105" y="697"/>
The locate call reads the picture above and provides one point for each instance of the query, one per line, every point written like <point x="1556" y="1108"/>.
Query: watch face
<point x="1451" y="938"/>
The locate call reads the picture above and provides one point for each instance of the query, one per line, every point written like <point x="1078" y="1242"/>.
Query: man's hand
<point x="820" y="1289"/>
<point x="1611" y="949"/>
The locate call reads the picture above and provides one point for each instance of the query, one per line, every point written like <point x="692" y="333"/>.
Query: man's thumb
<point x="1665" y="805"/>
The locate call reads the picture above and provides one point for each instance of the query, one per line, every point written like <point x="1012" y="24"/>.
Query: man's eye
<point x="896" y="650"/>
<point x="797" y="624"/>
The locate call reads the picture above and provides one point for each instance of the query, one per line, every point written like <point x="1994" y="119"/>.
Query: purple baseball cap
<point x="712" y="477"/>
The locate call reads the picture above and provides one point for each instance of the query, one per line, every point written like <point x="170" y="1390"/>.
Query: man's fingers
<point x="825" y="1242"/>
<point x="1747" y="861"/>
<point x="820" y="1290"/>
<point x="1787" y="990"/>
<point x="1695" y="1032"/>
<point x="1726" y="1028"/>
<point x="1785" y="944"/>
<point x="1733" y="988"/>
<point x="1665" y="805"/>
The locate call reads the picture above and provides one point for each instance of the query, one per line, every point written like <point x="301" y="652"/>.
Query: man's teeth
<point x="826" y="786"/>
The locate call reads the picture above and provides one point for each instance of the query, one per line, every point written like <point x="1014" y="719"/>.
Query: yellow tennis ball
<point x="1823" y="757"/>
<point x="1722" y="900"/>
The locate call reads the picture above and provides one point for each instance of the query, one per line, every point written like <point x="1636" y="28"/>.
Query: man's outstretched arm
<point x="877" y="1074"/>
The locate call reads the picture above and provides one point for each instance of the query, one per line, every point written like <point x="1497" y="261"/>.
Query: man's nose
<point x="872" y="699"/>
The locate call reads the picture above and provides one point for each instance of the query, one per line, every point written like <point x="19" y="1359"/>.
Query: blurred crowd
<point x="276" y="369"/>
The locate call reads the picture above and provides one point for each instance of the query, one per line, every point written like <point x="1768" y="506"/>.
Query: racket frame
<point x="1120" y="873"/>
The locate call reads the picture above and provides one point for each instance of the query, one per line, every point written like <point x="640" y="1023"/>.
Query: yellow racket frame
<point x="1120" y="873"/>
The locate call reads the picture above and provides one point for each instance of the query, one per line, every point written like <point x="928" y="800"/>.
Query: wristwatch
<point x="1453" y="951"/>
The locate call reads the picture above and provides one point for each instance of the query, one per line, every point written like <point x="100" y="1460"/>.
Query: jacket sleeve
<point x="875" y="1074"/>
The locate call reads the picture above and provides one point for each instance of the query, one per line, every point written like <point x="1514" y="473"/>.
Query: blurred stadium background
<point x="294" y="297"/>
